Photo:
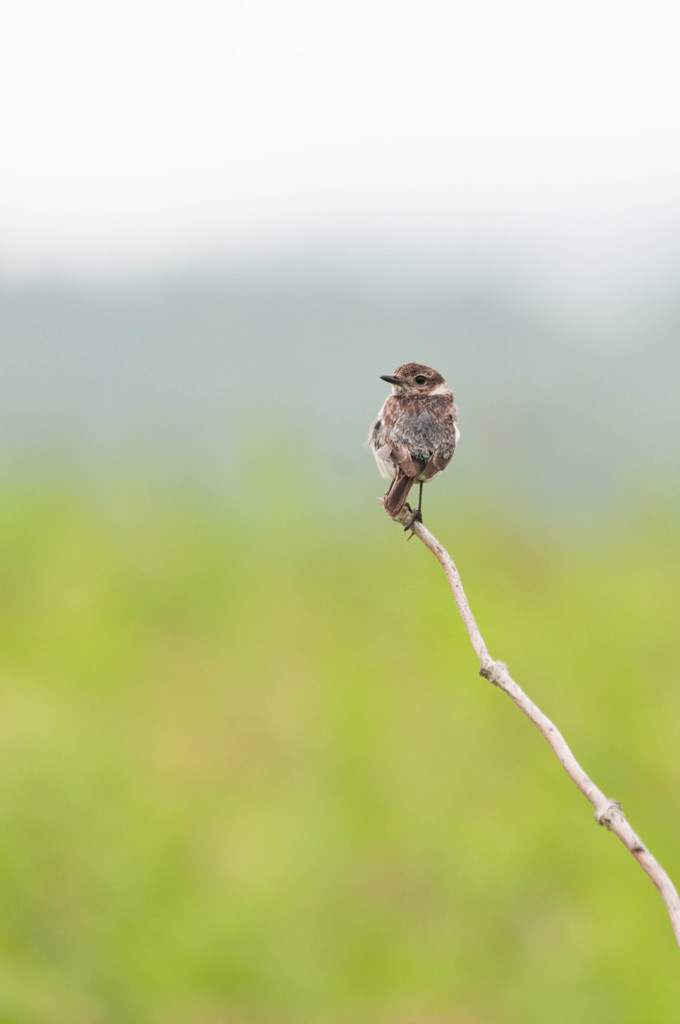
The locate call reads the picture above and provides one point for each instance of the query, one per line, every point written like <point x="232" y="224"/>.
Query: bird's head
<point x="416" y="379"/>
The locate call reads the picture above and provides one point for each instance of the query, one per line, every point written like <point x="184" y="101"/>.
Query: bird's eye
<point x="420" y="379"/>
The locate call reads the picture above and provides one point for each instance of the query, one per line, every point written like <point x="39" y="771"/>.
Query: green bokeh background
<point x="249" y="773"/>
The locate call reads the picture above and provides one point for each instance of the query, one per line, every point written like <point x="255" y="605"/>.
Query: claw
<point x="416" y="517"/>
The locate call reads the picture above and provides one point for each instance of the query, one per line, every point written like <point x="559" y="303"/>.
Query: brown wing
<point x="436" y="463"/>
<point x="402" y="458"/>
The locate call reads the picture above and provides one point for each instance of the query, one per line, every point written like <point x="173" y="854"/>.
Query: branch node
<point x="490" y="670"/>
<point x="605" y="816"/>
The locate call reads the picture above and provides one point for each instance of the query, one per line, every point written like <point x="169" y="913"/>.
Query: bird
<point x="415" y="434"/>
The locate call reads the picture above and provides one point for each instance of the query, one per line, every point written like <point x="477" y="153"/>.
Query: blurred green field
<point x="250" y="775"/>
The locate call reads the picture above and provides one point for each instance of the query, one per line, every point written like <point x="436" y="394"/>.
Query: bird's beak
<point x="391" y="379"/>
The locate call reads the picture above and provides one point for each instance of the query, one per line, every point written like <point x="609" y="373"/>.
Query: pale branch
<point x="607" y="812"/>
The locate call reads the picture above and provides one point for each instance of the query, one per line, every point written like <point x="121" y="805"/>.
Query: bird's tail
<point x="395" y="499"/>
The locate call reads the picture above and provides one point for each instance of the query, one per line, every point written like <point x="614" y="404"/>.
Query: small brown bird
<point x="415" y="434"/>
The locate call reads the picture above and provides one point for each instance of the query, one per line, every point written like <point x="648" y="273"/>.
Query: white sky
<point x="142" y="131"/>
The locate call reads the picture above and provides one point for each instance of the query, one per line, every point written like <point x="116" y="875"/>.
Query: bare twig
<point x="607" y="812"/>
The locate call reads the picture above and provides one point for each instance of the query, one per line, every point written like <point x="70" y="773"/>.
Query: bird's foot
<point x="415" y="517"/>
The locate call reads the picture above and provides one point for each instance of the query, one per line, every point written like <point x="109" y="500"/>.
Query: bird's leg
<point x="416" y="513"/>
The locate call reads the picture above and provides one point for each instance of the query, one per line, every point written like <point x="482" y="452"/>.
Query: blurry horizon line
<point x="577" y="269"/>
<point x="608" y="234"/>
